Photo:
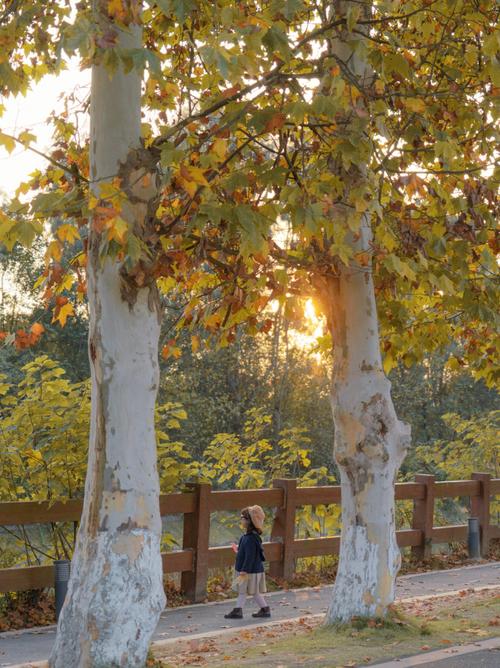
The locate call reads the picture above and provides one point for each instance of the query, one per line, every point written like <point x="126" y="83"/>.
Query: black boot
<point x="236" y="613"/>
<point x="263" y="612"/>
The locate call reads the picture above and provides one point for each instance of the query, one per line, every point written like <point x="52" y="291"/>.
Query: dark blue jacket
<point x="250" y="556"/>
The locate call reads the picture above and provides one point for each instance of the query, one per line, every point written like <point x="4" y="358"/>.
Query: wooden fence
<point x="196" y="557"/>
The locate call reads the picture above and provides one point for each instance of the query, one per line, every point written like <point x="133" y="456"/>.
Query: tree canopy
<point x="246" y="105"/>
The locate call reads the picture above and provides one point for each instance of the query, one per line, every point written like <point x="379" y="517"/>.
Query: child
<point x="250" y="576"/>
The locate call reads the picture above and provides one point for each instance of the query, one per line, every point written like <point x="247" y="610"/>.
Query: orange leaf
<point x="37" y="329"/>
<point x="276" y="121"/>
<point x="229" y="92"/>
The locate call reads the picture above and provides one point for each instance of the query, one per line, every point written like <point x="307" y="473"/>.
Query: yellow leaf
<point x="198" y="176"/>
<point x="68" y="233"/>
<point x="116" y="9"/>
<point x="34" y="455"/>
<point x="65" y="311"/>
<point x="192" y="173"/>
<point x="219" y="148"/>
<point x="189" y="186"/>
<point x="117" y="229"/>
<point x="213" y="320"/>
<point x="195" y="343"/>
<point x="171" y="89"/>
<point x="26" y="137"/>
<point x="415" y="104"/>
<point x="66" y="283"/>
<point x="171" y="351"/>
<point x="54" y="251"/>
<point x="361" y="205"/>
<point x="7" y="142"/>
<point x="93" y="201"/>
<point x="389" y="363"/>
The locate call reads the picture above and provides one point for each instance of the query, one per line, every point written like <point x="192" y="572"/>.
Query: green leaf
<point x="352" y="15"/>
<point x="394" y="62"/>
<point x="276" y="41"/>
<point x="180" y="8"/>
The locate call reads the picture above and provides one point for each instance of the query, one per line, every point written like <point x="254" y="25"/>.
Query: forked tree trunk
<point x="370" y="441"/>
<point x="116" y="594"/>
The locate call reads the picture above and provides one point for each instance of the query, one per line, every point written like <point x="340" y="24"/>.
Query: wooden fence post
<point x="423" y="517"/>
<point x="480" y="508"/>
<point x="196" y="536"/>
<point x="283" y="530"/>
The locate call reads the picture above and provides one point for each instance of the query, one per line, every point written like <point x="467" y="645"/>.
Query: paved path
<point x="483" y="654"/>
<point x="17" y="647"/>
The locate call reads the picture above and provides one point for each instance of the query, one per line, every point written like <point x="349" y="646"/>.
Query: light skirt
<point x="255" y="583"/>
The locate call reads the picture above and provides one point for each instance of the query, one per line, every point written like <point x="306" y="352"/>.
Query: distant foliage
<point x="44" y="432"/>
<point x="474" y="447"/>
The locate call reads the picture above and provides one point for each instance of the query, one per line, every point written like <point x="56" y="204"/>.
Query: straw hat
<point x="257" y="516"/>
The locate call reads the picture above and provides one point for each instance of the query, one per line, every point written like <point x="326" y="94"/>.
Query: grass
<point x="410" y="629"/>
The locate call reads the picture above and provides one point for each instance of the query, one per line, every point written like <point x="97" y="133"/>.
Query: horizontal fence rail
<point x="196" y="557"/>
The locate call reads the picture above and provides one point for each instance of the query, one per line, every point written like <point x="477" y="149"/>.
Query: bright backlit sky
<point x="30" y="113"/>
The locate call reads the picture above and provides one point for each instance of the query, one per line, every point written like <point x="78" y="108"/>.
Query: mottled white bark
<point x="116" y="592"/>
<point x="370" y="441"/>
<point x="370" y="445"/>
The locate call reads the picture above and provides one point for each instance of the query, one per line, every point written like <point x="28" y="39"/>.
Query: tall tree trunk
<point x="116" y="594"/>
<point x="370" y="441"/>
<point x="370" y="445"/>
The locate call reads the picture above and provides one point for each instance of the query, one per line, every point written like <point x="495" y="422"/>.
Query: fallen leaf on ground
<point x="477" y="632"/>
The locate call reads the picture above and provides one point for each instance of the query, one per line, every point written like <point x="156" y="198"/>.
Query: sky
<point x="30" y="113"/>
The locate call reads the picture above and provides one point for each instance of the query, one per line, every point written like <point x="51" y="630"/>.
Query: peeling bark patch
<point x="130" y="545"/>
<point x="128" y="525"/>
<point x="383" y="427"/>
<point x="93" y="629"/>
<point x="100" y="460"/>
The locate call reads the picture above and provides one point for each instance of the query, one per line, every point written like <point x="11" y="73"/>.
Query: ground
<point x="414" y="627"/>
<point x="183" y="627"/>
<point x="36" y="608"/>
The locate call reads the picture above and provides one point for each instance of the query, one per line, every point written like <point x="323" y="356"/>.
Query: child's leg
<point x="240" y="601"/>
<point x="260" y="600"/>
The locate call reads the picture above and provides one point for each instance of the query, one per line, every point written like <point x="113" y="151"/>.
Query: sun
<point x="313" y="328"/>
